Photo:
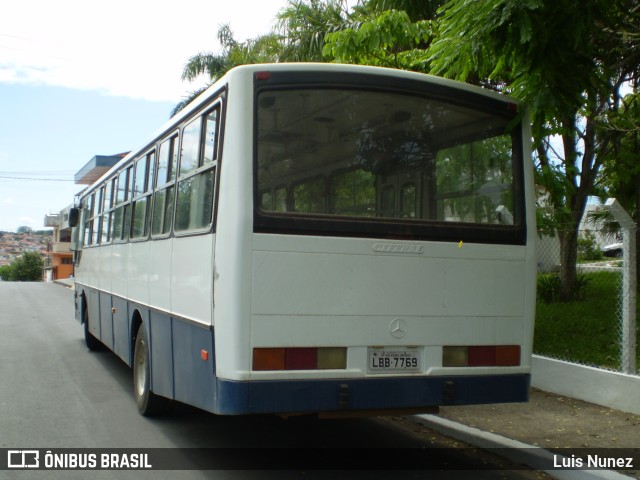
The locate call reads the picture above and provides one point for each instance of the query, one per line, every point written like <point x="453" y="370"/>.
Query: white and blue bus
<point x="318" y="238"/>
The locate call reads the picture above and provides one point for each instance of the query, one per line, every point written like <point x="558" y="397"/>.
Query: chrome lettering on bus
<point x="398" y="248"/>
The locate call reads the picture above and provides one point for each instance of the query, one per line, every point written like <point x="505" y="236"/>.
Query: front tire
<point x="93" y="344"/>
<point x="149" y="404"/>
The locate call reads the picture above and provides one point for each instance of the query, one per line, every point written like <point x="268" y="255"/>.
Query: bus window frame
<point x="148" y="157"/>
<point x="292" y="223"/>
<point x="217" y="104"/>
<point x="110" y="185"/>
<point x="125" y="232"/>
<point x="173" y="139"/>
<point x="272" y="191"/>
<point x="97" y="216"/>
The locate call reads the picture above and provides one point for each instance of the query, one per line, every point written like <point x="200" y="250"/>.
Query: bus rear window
<point x="382" y="156"/>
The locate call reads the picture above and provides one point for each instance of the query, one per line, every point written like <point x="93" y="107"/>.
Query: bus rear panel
<point x="389" y="266"/>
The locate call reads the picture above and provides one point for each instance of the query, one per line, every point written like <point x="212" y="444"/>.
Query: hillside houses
<point x="12" y="245"/>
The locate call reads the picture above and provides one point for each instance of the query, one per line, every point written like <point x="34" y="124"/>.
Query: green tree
<point x="304" y="24"/>
<point x="26" y="268"/>
<point x="566" y="60"/>
<point x="390" y="33"/>
<point x="621" y="169"/>
<point x="262" y="49"/>
<point x="298" y="36"/>
<point x="5" y="273"/>
<point x="422" y="10"/>
<point x="391" y="39"/>
<point x="620" y="176"/>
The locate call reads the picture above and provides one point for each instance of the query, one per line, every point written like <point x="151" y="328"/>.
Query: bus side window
<point x="210" y="147"/>
<point x="197" y="176"/>
<point x="408" y="201"/>
<point x="122" y="214"/>
<point x="108" y="212"/>
<point x="190" y="147"/>
<point x="141" y="195"/>
<point x="162" y="214"/>
<point x="97" y="216"/>
<point x="274" y="200"/>
<point x="87" y="216"/>
<point x="310" y="196"/>
<point x="353" y="193"/>
<point x="195" y="201"/>
<point x="387" y="201"/>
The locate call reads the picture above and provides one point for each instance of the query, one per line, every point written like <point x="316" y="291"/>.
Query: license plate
<point x="383" y="360"/>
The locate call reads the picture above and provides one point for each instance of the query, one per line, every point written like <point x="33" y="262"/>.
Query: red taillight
<point x="299" y="358"/>
<point x="481" y="356"/>
<point x="508" y="355"/>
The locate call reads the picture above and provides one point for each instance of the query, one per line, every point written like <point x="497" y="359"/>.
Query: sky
<point x="81" y="78"/>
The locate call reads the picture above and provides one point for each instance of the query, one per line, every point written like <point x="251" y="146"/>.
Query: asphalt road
<point x="55" y="394"/>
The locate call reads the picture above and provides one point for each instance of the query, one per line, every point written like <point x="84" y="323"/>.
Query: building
<point x="96" y="167"/>
<point x="59" y="260"/>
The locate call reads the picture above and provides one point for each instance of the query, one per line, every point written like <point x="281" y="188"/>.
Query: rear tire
<point x="149" y="404"/>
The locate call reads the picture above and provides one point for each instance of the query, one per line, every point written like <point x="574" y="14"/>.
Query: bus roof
<point x="249" y="70"/>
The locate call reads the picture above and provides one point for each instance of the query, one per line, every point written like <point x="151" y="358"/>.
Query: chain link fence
<point x="590" y="327"/>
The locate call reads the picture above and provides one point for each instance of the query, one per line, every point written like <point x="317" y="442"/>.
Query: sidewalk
<point x="547" y="421"/>
<point x="65" y="282"/>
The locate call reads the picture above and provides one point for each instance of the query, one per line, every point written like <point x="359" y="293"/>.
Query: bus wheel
<point x="149" y="404"/>
<point x="92" y="342"/>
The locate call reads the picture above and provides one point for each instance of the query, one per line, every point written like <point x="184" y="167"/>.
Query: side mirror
<point x="74" y="215"/>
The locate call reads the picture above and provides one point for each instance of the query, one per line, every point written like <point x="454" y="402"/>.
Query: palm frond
<point x="204" y="63"/>
<point x="187" y="100"/>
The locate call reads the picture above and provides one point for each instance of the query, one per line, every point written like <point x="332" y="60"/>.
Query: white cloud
<point x="129" y="48"/>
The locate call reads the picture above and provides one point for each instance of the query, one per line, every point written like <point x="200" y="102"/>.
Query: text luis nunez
<point x="592" y="461"/>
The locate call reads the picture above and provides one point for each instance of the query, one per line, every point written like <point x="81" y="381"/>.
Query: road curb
<point x="517" y="452"/>
<point x="65" y="283"/>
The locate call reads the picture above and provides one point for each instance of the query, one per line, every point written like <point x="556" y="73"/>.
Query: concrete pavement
<point x="530" y="433"/>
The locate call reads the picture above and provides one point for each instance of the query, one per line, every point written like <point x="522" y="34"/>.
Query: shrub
<point x="588" y="248"/>
<point x="548" y="287"/>
<point x="549" y="284"/>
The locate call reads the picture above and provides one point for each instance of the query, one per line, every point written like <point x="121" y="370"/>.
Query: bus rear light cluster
<point x="311" y="358"/>
<point x="481" y="356"/>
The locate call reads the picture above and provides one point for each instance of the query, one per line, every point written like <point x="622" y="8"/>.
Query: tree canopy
<point x="566" y="60"/>
<point x="26" y="268"/>
<point x="569" y="62"/>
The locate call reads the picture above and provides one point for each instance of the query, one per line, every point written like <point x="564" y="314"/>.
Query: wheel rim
<point x="141" y="370"/>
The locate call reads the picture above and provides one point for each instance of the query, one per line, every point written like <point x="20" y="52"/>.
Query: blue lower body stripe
<point x="300" y="396"/>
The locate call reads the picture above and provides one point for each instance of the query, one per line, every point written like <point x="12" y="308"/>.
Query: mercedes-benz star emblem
<point x="398" y="328"/>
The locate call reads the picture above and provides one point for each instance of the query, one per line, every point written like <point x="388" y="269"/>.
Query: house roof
<point x="96" y="167"/>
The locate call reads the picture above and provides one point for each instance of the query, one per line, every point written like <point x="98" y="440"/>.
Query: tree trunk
<point x="568" y="259"/>
<point x="636" y="218"/>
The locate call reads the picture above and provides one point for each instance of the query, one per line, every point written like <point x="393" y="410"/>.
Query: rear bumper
<point x="311" y="396"/>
